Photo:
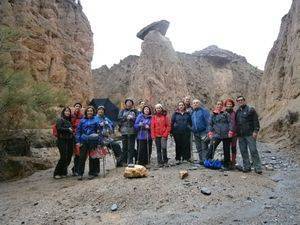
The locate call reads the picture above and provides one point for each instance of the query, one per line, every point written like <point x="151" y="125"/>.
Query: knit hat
<point x="129" y="99"/>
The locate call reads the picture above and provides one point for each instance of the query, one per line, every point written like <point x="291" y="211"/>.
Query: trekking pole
<point x="191" y="148"/>
<point x="148" y="151"/>
<point x="138" y="151"/>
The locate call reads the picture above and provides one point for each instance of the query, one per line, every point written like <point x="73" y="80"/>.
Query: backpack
<point x="213" y="164"/>
<point x="54" y="130"/>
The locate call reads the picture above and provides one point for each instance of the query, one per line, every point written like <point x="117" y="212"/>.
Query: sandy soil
<point x="161" y="198"/>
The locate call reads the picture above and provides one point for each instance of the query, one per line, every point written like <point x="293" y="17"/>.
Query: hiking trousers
<point x="244" y="144"/>
<point x="65" y="147"/>
<point x="201" y="142"/>
<point x="182" y="146"/>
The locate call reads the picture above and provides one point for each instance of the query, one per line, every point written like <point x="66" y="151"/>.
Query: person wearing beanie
<point x="126" y="119"/>
<point x="160" y="130"/>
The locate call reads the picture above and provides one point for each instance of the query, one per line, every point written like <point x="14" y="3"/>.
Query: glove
<point x="230" y="134"/>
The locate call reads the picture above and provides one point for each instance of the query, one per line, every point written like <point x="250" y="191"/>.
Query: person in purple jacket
<point x="142" y="125"/>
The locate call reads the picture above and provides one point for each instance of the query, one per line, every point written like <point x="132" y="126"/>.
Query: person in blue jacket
<point x="107" y="129"/>
<point x="142" y="125"/>
<point x="200" y="120"/>
<point x="88" y="137"/>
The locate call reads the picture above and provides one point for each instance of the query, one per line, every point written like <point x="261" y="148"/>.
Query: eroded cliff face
<point x="58" y="47"/>
<point x="160" y="74"/>
<point x="279" y="101"/>
<point x="114" y="82"/>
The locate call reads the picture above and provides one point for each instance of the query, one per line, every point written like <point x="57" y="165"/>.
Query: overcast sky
<point x="246" y="27"/>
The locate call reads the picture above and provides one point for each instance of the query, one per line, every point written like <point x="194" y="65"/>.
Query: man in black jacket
<point x="247" y="129"/>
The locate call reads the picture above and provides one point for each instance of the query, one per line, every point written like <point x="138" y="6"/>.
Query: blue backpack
<point x="213" y="164"/>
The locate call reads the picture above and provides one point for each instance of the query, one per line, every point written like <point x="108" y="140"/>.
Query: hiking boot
<point x="148" y="166"/>
<point x="246" y="170"/>
<point x="239" y="167"/>
<point x="160" y="165"/>
<point x="178" y="162"/>
<point x="224" y="168"/>
<point x="91" y="177"/>
<point x="57" y="177"/>
<point x="80" y="178"/>
<point x="75" y="174"/>
<point x="258" y="171"/>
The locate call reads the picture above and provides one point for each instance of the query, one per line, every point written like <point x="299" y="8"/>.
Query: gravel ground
<point x="161" y="198"/>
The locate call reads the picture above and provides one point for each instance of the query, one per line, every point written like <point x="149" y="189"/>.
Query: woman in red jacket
<point x="160" y="130"/>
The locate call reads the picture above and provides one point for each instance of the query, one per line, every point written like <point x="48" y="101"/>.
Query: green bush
<point x="24" y="103"/>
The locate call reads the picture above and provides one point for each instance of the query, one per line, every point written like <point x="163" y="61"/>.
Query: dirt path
<point x="162" y="198"/>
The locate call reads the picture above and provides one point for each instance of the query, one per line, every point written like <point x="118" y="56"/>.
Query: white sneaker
<point x="57" y="177"/>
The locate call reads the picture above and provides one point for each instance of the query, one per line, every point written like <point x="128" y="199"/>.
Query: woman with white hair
<point x="160" y="130"/>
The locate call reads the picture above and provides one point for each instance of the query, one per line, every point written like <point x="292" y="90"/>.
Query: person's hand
<point x="70" y="129"/>
<point x="106" y="122"/>
<point x="230" y="134"/>
<point x="147" y="126"/>
<point x="254" y="135"/>
<point x="101" y="124"/>
<point x="78" y="144"/>
<point x="210" y="135"/>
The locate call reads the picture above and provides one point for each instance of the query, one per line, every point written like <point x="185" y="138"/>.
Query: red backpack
<point x="54" y="130"/>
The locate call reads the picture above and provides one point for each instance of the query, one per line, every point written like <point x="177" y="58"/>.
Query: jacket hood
<point x="217" y="111"/>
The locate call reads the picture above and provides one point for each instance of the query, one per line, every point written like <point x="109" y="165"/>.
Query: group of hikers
<point x="84" y="134"/>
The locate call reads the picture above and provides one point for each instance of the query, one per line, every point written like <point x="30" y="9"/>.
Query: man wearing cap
<point x="126" y="119"/>
<point x="247" y="125"/>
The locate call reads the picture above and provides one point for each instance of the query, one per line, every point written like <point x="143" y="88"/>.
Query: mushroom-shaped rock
<point x="160" y="26"/>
